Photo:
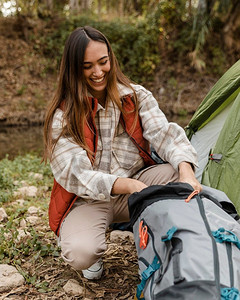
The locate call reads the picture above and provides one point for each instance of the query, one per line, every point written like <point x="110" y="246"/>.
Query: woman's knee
<point x="81" y="254"/>
<point x="159" y="174"/>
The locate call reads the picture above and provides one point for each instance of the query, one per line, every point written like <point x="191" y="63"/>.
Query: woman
<point x="97" y="134"/>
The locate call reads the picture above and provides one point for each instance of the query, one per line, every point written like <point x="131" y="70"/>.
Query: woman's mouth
<point x="98" y="80"/>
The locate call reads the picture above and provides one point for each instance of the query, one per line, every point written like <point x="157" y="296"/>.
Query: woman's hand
<point x="127" y="186"/>
<point x="186" y="174"/>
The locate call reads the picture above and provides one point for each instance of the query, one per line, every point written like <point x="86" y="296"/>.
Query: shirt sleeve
<point x="168" y="139"/>
<point x="73" y="170"/>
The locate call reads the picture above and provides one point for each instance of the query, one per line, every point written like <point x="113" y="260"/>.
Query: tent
<point x="214" y="131"/>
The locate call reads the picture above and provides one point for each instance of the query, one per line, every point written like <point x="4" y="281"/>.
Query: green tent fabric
<point x="222" y="93"/>
<point x="225" y="174"/>
<point x="214" y="131"/>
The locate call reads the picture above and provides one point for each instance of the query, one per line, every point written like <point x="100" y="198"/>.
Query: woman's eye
<point x="104" y="62"/>
<point x="87" y="67"/>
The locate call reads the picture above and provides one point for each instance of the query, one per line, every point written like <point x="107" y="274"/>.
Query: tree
<point x="232" y="27"/>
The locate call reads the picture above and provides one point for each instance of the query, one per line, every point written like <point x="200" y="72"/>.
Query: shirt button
<point x="101" y="196"/>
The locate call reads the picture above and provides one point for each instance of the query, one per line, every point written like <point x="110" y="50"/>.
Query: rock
<point x="161" y="91"/>
<point x="33" y="210"/>
<point x="7" y="236"/>
<point x="33" y="220"/>
<point x="22" y="234"/>
<point x="9" y="278"/>
<point x="119" y="235"/>
<point x="36" y="175"/>
<point x="44" y="188"/>
<point x="73" y="288"/>
<point x="23" y="224"/>
<point x="28" y="191"/>
<point x="3" y="215"/>
<point x="20" y="202"/>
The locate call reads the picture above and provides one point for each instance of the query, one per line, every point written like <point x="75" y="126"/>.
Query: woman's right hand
<point x="127" y="186"/>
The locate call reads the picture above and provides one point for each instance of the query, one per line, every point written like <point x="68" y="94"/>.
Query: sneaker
<point x="95" y="271"/>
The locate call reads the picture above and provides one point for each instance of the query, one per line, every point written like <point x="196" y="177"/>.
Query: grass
<point x="36" y="242"/>
<point x="36" y="254"/>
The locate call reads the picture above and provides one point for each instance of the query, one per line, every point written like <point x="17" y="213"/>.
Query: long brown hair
<point x="72" y="89"/>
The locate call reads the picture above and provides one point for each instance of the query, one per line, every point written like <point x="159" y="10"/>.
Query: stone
<point x="32" y="210"/>
<point x="9" y="278"/>
<point x="28" y="191"/>
<point x="73" y="288"/>
<point x="44" y="188"/>
<point x="36" y="175"/>
<point x="161" y="91"/>
<point x="119" y="235"/>
<point x="7" y="236"/>
<point x="20" y="202"/>
<point x="3" y="215"/>
<point x="22" y="234"/>
<point x="23" y="224"/>
<point x="33" y="220"/>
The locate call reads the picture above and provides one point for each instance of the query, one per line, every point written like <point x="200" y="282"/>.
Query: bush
<point x="134" y="43"/>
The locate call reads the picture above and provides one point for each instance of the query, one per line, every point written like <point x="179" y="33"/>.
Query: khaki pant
<point x="82" y="233"/>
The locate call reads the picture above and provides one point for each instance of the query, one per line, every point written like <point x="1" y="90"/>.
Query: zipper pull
<point x="143" y="235"/>
<point x="195" y="192"/>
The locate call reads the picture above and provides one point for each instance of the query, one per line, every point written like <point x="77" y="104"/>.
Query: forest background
<point x="177" y="49"/>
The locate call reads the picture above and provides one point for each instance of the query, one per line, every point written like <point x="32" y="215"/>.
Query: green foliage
<point x="19" y="170"/>
<point x="186" y="27"/>
<point x="173" y="11"/>
<point x="134" y="42"/>
<point x="12" y="248"/>
<point x="6" y="182"/>
<point x="31" y="244"/>
<point x="217" y="64"/>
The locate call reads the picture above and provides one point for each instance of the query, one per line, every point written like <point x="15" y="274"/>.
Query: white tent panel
<point x="205" y="139"/>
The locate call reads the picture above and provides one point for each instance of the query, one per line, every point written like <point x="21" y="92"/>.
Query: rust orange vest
<point x="61" y="200"/>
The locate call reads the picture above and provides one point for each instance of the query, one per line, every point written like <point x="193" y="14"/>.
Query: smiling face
<point x="96" y="68"/>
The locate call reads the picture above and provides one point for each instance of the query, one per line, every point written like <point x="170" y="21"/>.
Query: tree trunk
<point x="190" y="7"/>
<point x="49" y="5"/>
<point x="100" y="6"/>
<point x="108" y="6"/>
<point x="121" y="7"/>
<point x="137" y="7"/>
<point x="231" y="40"/>
<point x="73" y="6"/>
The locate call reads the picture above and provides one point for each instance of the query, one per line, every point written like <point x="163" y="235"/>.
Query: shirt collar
<point x="123" y="91"/>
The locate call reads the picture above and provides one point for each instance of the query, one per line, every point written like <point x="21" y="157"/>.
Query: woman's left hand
<point x="186" y="174"/>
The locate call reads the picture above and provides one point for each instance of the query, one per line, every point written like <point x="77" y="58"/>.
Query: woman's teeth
<point x="98" y="80"/>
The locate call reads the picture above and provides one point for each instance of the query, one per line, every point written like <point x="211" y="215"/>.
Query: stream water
<point x="21" y="140"/>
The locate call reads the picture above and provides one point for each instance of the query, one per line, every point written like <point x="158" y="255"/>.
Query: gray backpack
<point x="187" y="243"/>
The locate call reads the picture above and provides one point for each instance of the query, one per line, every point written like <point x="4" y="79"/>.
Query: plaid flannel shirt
<point x="116" y="155"/>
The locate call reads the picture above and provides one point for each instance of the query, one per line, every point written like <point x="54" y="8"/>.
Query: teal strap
<point x="169" y="234"/>
<point x="221" y="235"/>
<point x="230" y="294"/>
<point x="145" y="275"/>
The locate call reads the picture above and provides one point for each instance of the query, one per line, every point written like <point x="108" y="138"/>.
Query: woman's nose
<point x="97" y="71"/>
